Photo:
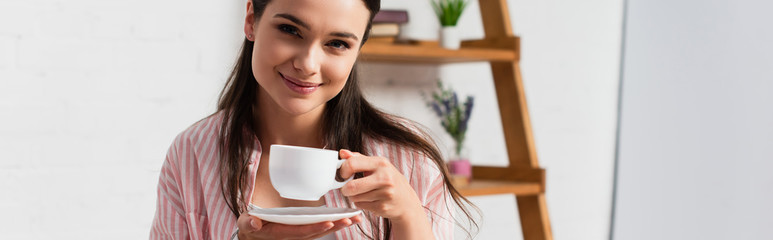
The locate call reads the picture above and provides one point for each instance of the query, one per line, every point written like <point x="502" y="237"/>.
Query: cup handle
<point x="337" y="184"/>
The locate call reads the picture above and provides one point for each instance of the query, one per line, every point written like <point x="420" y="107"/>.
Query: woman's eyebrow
<point x="292" y="19"/>
<point x="306" y="26"/>
<point x="345" y="35"/>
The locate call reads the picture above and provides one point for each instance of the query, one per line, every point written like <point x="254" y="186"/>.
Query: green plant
<point x="449" y="11"/>
<point x="454" y="116"/>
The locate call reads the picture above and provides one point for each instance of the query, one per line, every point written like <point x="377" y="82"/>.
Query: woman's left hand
<point x="384" y="190"/>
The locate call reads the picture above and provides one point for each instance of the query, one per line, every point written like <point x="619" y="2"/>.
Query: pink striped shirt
<point x="190" y="205"/>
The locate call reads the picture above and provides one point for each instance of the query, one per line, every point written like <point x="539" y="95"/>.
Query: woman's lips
<point x="299" y="86"/>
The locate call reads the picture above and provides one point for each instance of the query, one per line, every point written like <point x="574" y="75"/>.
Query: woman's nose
<point x="307" y="61"/>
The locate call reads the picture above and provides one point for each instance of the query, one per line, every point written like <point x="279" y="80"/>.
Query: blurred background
<point x="653" y="119"/>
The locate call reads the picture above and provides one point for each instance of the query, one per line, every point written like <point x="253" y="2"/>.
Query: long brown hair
<point x="346" y="119"/>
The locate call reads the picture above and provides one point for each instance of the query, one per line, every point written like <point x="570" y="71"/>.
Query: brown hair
<point x="347" y="118"/>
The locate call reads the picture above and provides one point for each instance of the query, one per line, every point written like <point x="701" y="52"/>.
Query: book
<point x="384" y="30"/>
<point x="391" y="16"/>
<point x="382" y="40"/>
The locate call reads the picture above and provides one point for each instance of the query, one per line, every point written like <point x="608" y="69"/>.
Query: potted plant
<point x="448" y="13"/>
<point x="454" y="117"/>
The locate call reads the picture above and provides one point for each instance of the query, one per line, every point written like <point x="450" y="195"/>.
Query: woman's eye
<point x="289" y="29"/>
<point x="338" y="44"/>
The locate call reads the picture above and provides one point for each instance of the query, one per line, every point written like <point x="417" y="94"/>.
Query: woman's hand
<point x="251" y="227"/>
<point x="384" y="190"/>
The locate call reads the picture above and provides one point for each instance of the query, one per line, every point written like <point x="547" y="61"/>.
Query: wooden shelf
<point x="430" y="52"/>
<point x="487" y="187"/>
<point x="501" y="48"/>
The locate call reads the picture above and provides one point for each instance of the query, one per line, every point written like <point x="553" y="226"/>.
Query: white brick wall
<point x="91" y="95"/>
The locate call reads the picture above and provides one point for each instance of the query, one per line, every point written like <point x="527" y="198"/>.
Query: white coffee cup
<point x="304" y="173"/>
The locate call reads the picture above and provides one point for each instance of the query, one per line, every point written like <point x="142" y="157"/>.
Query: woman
<point x="294" y="84"/>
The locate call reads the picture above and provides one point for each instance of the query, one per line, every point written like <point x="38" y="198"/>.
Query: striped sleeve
<point x="427" y="180"/>
<point x="176" y="215"/>
<point x="435" y="197"/>
<point x="169" y="221"/>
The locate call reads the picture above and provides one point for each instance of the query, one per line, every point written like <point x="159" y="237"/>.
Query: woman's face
<point x="305" y="49"/>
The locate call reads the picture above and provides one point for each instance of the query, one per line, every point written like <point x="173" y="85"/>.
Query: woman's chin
<point x="300" y="109"/>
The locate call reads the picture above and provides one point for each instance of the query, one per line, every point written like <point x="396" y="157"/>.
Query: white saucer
<point x="302" y="215"/>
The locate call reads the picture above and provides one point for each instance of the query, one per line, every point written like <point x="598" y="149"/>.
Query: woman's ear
<point x="249" y="22"/>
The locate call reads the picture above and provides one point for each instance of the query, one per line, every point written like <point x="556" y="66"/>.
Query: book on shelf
<point x="383" y="40"/>
<point x="386" y="25"/>
<point x="384" y="30"/>
<point x="391" y="16"/>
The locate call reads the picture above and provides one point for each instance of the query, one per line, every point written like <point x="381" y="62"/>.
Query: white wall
<point x="696" y="139"/>
<point x="93" y="92"/>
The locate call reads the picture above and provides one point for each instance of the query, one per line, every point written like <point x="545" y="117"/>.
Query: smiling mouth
<point x="299" y="86"/>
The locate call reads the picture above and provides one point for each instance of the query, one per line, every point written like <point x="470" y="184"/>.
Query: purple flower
<point x="467" y="111"/>
<point x="437" y="109"/>
<point x="446" y="105"/>
<point x="454" y="116"/>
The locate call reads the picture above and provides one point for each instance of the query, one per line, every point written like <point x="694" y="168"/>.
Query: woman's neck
<point x="276" y="126"/>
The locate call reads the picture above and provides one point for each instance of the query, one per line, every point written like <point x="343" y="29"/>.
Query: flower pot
<point x="449" y="37"/>
<point x="460" y="168"/>
<point x="461" y="172"/>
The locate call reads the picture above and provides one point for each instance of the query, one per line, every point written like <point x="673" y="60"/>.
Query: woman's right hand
<point x="253" y="228"/>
